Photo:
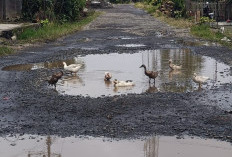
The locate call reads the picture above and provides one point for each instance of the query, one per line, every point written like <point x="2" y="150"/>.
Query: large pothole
<point x="89" y="80"/>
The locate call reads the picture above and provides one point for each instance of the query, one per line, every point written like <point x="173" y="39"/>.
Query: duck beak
<point x="141" y="66"/>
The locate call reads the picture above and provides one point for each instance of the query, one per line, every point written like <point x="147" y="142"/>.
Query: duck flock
<point x="74" y="68"/>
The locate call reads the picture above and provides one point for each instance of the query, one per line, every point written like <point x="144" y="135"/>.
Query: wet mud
<point x="30" y="106"/>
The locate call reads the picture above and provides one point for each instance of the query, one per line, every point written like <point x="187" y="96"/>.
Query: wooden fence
<point x="220" y="11"/>
<point x="10" y="9"/>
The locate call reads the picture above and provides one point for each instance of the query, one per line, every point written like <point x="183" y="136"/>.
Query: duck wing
<point x="177" y="66"/>
<point x="74" y="65"/>
<point x="154" y="74"/>
<point x="200" y="78"/>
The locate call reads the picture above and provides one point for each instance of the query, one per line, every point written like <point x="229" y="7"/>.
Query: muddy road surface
<point x="30" y="106"/>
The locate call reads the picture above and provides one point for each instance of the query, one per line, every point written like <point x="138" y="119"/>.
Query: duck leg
<point x="154" y="81"/>
<point x="149" y="80"/>
<point x="199" y="85"/>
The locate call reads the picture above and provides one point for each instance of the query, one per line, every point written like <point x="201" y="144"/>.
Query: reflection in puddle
<point x="123" y="37"/>
<point x="157" y="146"/>
<point x="126" y="67"/>
<point x="90" y="79"/>
<point x="45" y="65"/>
<point x="131" y="45"/>
<point x="152" y="89"/>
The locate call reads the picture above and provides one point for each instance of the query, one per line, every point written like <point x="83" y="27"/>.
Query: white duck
<point x="108" y="76"/>
<point x="173" y="66"/>
<point x="123" y="83"/>
<point x="73" y="68"/>
<point x="199" y="79"/>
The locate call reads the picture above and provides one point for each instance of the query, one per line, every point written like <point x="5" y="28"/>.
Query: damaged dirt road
<point x="29" y="106"/>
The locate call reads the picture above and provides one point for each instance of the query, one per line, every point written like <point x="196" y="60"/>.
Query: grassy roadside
<point x="202" y="31"/>
<point x="179" y="23"/>
<point x="4" y="50"/>
<point x="52" y="31"/>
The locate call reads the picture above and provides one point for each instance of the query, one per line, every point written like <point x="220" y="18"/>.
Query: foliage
<point x="65" y="10"/>
<point x="30" y="8"/>
<point x="51" y="30"/>
<point x="179" y="8"/>
<point x="149" y="8"/>
<point x="44" y="22"/>
<point x="179" y="5"/>
<point x="69" y="10"/>
<point x="204" y="20"/>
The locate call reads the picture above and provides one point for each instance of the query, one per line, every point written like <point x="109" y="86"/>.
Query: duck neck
<point x="145" y="70"/>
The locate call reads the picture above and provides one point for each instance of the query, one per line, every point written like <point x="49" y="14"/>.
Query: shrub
<point x="69" y="10"/>
<point x="65" y="10"/>
<point x="204" y="20"/>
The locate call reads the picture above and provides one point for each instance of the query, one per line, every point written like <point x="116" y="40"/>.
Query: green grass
<point x="205" y="32"/>
<point x="149" y="8"/>
<point x="153" y="10"/>
<point x="54" y="30"/>
<point x="202" y="31"/>
<point x="4" y="50"/>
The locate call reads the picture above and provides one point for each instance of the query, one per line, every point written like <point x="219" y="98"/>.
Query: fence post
<point x="4" y="10"/>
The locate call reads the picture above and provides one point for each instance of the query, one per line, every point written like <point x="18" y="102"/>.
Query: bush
<point x="65" y="10"/>
<point x="69" y="10"/>
<point x="204" y="20"/>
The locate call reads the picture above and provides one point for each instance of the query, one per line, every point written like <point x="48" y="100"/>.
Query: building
<point x="10" y="9"/>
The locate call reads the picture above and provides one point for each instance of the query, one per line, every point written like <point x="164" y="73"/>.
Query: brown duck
<point x="55" y="77"/>
<point x="150" y="74"/>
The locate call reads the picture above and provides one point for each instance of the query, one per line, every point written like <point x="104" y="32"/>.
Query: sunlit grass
<point x="53" y="31"/>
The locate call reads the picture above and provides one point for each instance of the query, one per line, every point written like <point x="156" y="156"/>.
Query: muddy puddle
<point x="89" y="80"/>
<point x="157" y="146"/>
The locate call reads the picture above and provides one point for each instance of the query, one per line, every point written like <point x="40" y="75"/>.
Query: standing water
<point x="89" y="80"/>
<point x="157" y="146"/>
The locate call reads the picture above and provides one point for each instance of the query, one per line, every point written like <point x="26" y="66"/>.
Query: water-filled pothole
<point x="157" y="146"/>
<point x="89" y="80"/>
